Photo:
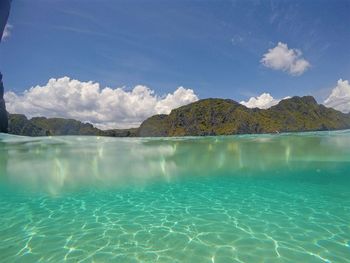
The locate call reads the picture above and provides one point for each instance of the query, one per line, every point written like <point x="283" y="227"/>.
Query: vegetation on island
<point x="226" y="117"/>
<point x="204" y="117"/>
<point x="41" y="126"/>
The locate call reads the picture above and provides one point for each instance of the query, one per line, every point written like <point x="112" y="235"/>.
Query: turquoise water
<point x="265" y="198"/>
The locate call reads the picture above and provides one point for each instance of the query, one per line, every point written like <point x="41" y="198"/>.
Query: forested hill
<point x="225" y="117"/>
<point x="204" y="117"/>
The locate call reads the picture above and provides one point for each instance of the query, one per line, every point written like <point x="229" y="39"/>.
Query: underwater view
<point x="175" y="131"/>
<point x="245" y="198"/>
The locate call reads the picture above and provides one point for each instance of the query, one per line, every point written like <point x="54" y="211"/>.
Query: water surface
<point x="252" y="198"/>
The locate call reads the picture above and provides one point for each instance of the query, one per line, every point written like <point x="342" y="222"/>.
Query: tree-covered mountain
<point x="20" y="125"/>
<point x="41" y="126"/>
<point x="204" y="117"/>
<point x="225" y="117"/>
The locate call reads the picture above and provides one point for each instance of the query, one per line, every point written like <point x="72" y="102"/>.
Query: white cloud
<point x="339" y="98"/>
<point x="285" y="59"/>
<point x="87" y="102"/>
<point x="264" y="101"/>
<point x="7" y="31"/>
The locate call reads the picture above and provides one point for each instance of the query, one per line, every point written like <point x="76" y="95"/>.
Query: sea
<point x="243" y="198"/>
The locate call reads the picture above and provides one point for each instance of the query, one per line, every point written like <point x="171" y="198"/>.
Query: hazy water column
<point x="4" y="14"/>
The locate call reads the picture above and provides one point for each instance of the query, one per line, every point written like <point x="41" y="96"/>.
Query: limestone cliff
<point x="3" y="113"/>
<point x="4" y="14"/>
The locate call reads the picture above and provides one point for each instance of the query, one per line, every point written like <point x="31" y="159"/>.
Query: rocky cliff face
<point x="3" y="112"/>
<point x="4" y="14"/>
<point x="226" y="117"/>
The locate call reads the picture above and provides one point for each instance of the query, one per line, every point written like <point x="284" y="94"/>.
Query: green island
<point x="204" y="117"/>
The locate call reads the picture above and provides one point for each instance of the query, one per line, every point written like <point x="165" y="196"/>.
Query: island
<point x="201" y="118"/>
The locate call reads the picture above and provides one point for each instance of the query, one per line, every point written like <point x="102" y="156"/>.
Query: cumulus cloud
<point x="105" y="108"/>
<point x="7" y="31"/>
<point x="339" y="98"/>
<point x="285" y="59"/>
<point x="264" y="101"/>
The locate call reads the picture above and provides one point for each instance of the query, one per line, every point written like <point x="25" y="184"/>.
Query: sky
<point x="114" y="63"/>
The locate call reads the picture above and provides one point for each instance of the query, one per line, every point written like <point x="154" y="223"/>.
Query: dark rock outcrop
<point x="3" y="112"/>
<point x="4" y="14"/>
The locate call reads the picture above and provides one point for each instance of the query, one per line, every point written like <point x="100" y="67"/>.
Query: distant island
<point x="201" y="118"/>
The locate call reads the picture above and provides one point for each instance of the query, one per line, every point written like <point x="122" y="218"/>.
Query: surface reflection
<point x="56" y="163"/>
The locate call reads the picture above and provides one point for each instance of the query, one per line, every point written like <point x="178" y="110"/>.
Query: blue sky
<point x="212" y="47"/>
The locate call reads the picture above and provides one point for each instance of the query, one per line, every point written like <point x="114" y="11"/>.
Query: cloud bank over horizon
<point x="286" y="59"/>
<point x="339" y="98"/>
<point x="264" y="101"/>
<point x="110" y="108"/>
<point x="105" y="108"/>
